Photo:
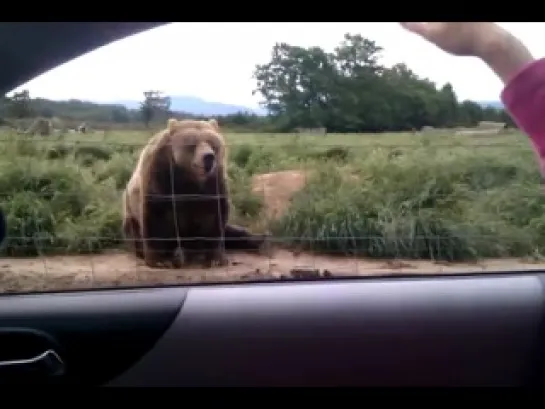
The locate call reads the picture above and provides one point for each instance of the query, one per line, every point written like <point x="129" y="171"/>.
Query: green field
<point x="432" y="195"/>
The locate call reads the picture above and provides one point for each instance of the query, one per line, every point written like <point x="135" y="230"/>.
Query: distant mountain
<point x="197" y="106"/>
<point x="493" y="104"/>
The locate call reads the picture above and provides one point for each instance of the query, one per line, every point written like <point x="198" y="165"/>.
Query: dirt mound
<point x="277" y="189"/>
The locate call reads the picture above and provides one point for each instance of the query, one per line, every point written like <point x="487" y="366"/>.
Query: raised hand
<point x="498" y="48"/>
<point x="463" y="39"/>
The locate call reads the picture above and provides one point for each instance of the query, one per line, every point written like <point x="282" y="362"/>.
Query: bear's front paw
<point x="266" y="247"/>
<point x="216" y="258"/>
<point x="159" y="259"/>
<point x="153" y="263"/>
<point x="179" y="258"/>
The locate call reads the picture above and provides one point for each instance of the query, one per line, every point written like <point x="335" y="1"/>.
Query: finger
<point x="417" y="28"/>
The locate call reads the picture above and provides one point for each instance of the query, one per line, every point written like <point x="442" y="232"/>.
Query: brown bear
<point x="176" y="204"/>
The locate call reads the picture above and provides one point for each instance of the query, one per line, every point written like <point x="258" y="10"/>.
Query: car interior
<point x="470" y="329"/>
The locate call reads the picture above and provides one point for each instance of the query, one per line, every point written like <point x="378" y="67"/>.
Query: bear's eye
<point x="214" y="147"/>
<point x="190" y="147"/>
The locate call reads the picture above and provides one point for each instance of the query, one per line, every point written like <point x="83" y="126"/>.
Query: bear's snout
<point x="208" y="161"/>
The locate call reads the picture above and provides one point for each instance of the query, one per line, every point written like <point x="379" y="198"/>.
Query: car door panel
<point x="435" y="331"/>
<point x="97" y="334"/>
<point x="438" y="331"/>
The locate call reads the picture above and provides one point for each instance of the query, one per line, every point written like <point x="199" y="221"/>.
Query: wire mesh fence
<point x="328" y="205"/>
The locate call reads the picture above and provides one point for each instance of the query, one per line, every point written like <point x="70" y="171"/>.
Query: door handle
<point x="46" y="364"/>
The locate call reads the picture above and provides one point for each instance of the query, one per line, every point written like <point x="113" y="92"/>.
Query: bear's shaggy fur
<point x="176" y="205"/>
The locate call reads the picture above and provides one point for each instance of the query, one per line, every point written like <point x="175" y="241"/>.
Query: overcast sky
<point x="215" y="61"/>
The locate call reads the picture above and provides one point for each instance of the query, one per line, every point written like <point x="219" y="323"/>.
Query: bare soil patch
<point x="278" y="188"/>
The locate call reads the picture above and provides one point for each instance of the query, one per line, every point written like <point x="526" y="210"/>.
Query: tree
<point x="18" y="105"/>
<point x="361" y="101"/>
<point x="154" y="105"/>
<point x="295" y="85"/>
<point x="120" y="115"/>
<point x="349" y="90"/>
<point x="448" y="107"/>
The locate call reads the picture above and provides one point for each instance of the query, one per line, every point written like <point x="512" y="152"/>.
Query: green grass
<point x="435" y="195"/>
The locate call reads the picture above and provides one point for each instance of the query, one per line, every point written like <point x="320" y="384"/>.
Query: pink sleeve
<point x="524" y="98"/>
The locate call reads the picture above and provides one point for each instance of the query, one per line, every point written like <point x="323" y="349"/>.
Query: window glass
<point x="326" y="150"/>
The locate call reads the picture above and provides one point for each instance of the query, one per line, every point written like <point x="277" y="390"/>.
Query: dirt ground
<point x="122" y="269"/>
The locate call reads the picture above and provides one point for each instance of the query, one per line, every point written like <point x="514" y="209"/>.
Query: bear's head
<point x="198" y="147"/>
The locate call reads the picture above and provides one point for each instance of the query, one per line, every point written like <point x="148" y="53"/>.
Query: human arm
<point x="523" y="76"/>
<point x="524" y="91"/>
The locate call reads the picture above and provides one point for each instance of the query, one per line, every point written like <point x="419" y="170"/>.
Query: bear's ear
<point x="214" y="124"/>
<point x="171" y="124"/>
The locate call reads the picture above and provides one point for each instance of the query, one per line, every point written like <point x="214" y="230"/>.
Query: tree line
<point x="348" y="90"/>
<point x="20" y="105"/>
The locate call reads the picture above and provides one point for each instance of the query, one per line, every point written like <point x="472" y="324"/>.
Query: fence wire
<point x="341" y="204"/>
